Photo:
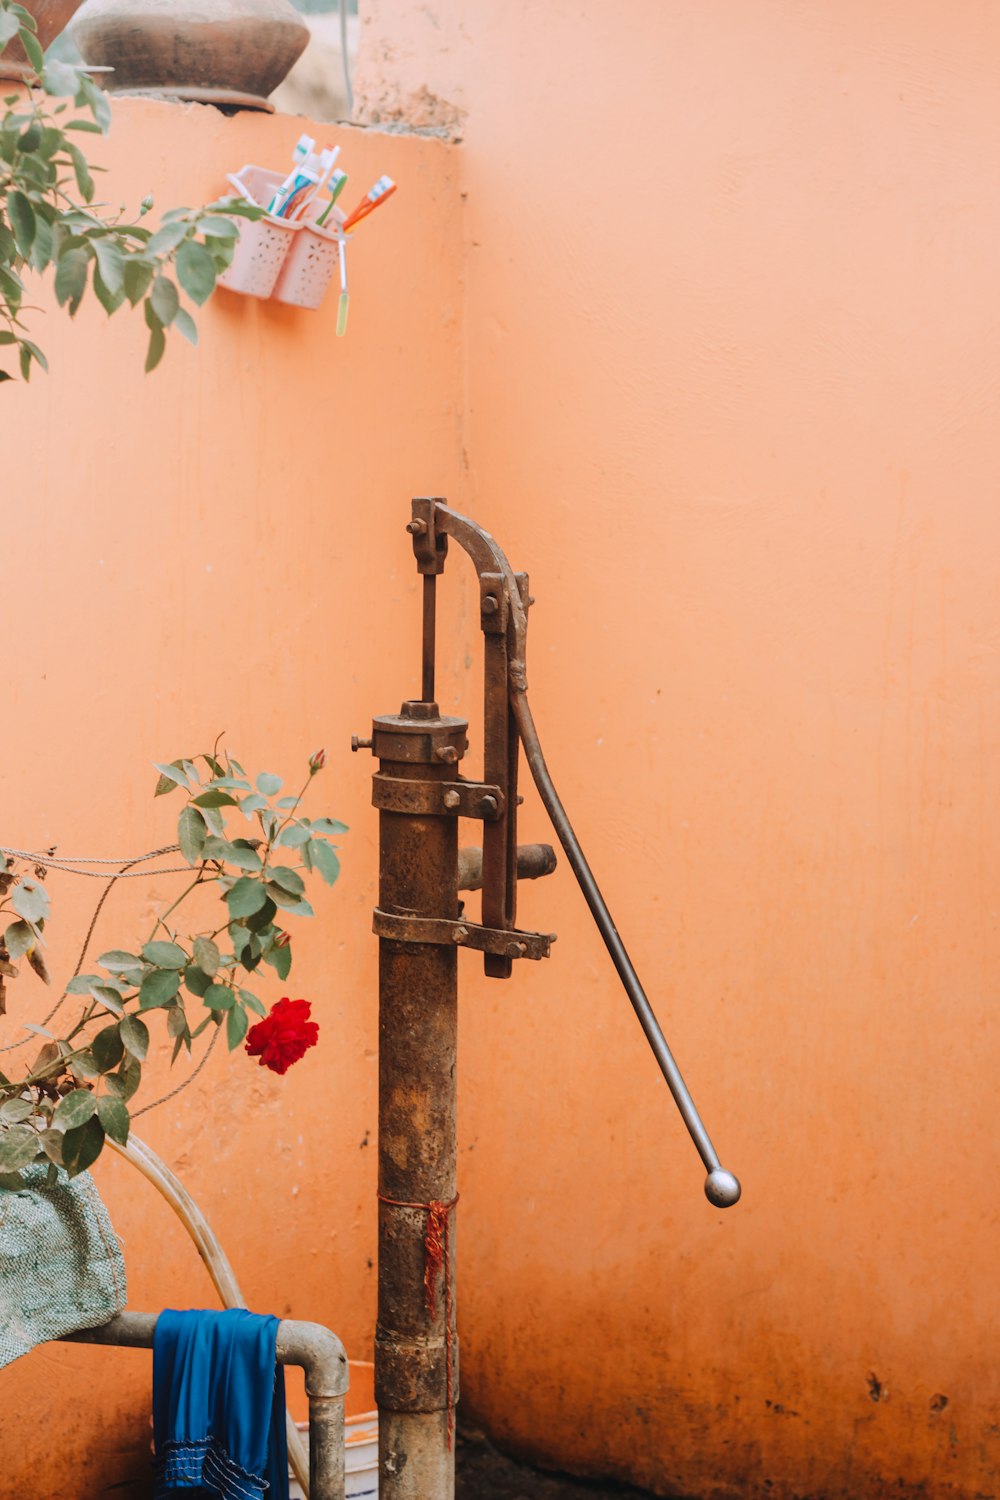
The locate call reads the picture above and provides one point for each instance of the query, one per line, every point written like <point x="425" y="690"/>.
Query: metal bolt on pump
<point x="421" y="924"/>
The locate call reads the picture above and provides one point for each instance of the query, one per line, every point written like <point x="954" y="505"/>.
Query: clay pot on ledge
<point x="232" y="53"/>
<point x="51" y="17"/>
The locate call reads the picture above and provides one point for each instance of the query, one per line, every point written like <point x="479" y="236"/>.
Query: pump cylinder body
<point x="416" y="1342"/>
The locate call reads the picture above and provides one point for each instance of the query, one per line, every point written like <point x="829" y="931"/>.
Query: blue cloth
<point x="219" y="1406"/>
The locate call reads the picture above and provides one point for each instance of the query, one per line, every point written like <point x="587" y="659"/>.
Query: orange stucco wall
<point x="732" y="340"/>
<point x="709" y="343"/>
<point x="220" y="546"/>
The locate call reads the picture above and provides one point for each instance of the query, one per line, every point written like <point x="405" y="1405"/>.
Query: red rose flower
<point x="284" y="1035"/>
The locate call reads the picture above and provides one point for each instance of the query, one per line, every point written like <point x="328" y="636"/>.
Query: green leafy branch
<point x="79" y="1088"/>
<point x="49" y="220"/>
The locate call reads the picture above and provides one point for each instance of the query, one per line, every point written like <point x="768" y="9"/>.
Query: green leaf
<point x="289" y="880"/>
<point x="246" y="897"/>
<point x="196" y="271"/>
<point x="196" y="980"/>
<point x="325" y="860"/>
<point x="111" y="264"/>
<point x="216" y="224"/>
<point x="288" y="902"/>
<point x="107" y="1048"/>
<point x="164" y="299"/>
<point x="165" y="955"/>
<point x="294" y="835"/>
<point x="329" y="826"/>
<point x="117" y="961"/>
<point x="71" y="278"/>
<point x="206" y="956"/>
<point x="33" y="349"/>
<point x="74" y="1109"/>
<point x="80" y="983"/>
<point x="157" y="344"/>
<point x="135" y="1034"/>
<point x="158" y="988"/>
<point x="238" y="853"/>
<point x="109" y="998"/>
<point x="18" y="938"/>
<point x="95" y="99"/>
<point x="84" y="1065"/>
<point x="82" y="1147"/>
<point x="219" y="997"/>
<point x="110" y="301"/>
<point x="186" y="326"/>
<point x="30" y="900"/>
<point x="9" y="26"/>
<point x="18" y="1147"/>
<point x="167" y="238"/>
<point x="268" y="784"/>
<point x="251" y="1000"/>
<point x="113" y="1115"/>
<point x="176" y="1020"/>
<point x="44" y="245"/>
<point x="52" y="1144"/>
<point x="30" y="44"/>
<point x="236" y="1027"/>
<point x="173" y="775"/>
<point x="81" y="171"/>
<point x="60" y="79"/>
<point x="280" y="960"/>
<point x="13" y="1111"/>
<point x="216" y="798"/>
<point x="138" y="275"/>
<point x="258" y="920"/>
<point x="191" y="835"/>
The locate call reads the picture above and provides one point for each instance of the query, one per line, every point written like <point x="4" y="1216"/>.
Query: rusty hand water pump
<point x="421" y="924"/>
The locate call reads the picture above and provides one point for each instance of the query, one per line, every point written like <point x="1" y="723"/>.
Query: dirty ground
<point x="484" y="1474"/>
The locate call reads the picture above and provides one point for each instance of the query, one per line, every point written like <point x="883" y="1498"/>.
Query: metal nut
<point x="490" y="604"/>
<point x="451" y="798"/>
<point x="417" y="528"/>
<point x="488" y="804"/>
<point x="357" y="743"/>
<point x="516" y="950"/>
<point x="459" y="934"/>
<point x="447" y="753"/>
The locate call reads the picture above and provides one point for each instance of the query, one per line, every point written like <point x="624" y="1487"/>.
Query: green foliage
<point x="49" y="221"/>
<point x="77" y="1091"/>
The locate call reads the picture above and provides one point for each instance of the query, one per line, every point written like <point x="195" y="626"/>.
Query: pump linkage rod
<point x="433" y="522"/>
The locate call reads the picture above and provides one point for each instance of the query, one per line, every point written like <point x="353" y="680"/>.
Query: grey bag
<point x="61" y="1266"/>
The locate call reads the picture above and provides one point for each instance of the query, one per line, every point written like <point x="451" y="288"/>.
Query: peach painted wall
<point x="732" y="397"/>
<point x="220" y="546"/>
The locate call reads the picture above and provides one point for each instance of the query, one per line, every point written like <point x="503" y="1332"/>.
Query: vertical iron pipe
<point x="416" y="1345"/>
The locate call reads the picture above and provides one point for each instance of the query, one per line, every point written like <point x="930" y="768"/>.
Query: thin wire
<point x="117" y="875"/>
<point x="189" y="1079"/>
<point x="66" y="864"/>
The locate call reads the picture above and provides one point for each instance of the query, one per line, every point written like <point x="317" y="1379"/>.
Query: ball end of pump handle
<point x="722" y="1189"/>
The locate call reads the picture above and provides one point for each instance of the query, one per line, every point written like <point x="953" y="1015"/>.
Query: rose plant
<point x="79" y="1089"/>
<point x="50" y="222"/>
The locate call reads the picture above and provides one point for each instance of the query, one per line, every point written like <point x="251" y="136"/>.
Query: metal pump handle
<point x="504" y="601"/>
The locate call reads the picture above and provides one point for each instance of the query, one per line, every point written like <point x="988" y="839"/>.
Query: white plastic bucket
<point x="263" y="243"/>
<point x="360" y="1438"/>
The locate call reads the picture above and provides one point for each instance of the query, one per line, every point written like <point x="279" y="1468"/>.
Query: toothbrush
<point x="383" y="189"/>
<point x="241" y="188"/>
<point x="304" y="147"/>
<point x="334" y="187"/>
<point x="323" y="166"/>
